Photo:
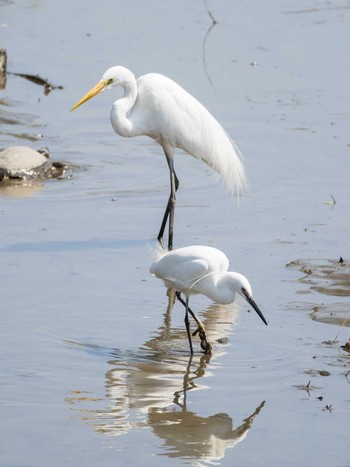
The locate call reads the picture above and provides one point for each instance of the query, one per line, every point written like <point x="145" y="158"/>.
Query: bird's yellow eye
<point x="109" y="81"/>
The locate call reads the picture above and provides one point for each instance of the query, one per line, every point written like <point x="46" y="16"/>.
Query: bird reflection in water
<point x="187" y="435"/>
<point x="151" y="386"/>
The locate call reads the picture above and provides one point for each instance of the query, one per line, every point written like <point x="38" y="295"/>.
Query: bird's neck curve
<point x="122" y="107"/>
<point x="219" y="288"/>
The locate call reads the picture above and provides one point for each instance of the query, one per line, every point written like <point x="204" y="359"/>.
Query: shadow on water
<point x="150" y="387"/>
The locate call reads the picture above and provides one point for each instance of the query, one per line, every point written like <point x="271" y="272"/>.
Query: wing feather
<point x="177" y="119"/>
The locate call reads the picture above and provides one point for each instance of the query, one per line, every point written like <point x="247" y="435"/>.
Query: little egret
<point x="202" y="270"/>
<point x="157" y="107"/>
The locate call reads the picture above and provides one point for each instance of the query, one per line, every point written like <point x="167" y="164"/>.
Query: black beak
<point x="255" y="306"/>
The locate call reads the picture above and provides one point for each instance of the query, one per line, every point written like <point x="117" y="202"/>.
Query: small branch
<point x="210" y="13"/>
<point x="48" y="87"/>
<point x="347" y="376"/>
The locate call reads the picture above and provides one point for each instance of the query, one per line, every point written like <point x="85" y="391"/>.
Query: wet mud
<point x="327" y="277"/>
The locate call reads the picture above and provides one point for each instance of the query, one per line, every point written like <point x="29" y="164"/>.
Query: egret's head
<point x="243" y="288"/>
<point x="112" y="77"/>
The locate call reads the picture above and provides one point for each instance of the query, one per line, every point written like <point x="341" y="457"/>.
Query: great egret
<point x="202" y="270"/>
<point x="157" y="107"/>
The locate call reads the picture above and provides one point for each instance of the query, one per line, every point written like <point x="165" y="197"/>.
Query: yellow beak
<point x="95" y="90"/>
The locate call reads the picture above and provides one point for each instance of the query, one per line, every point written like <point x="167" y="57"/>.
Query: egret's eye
<point x="109" y="81"/>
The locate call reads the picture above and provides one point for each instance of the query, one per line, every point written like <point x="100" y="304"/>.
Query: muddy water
<point x="94" y="360"/>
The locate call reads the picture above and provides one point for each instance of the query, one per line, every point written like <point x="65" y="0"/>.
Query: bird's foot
<point x="205" y="345"/>
<point x="203" y="338"/>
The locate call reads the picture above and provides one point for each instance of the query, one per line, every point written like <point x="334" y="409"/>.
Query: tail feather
<point x="203" y="137"/>
<point x="228" y="164"/>
<point x="183" y="122"/>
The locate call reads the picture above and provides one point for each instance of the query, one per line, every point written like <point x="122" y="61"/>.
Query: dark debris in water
<point x="222" y="340"/>
<point x="331" y="342"/>
<point x="36" y="79"/>
<point x="25" y="136"/>
<point x="346" y="346"/>
<point x="328" y="408"/>
<point x="318" y="372"/>
<point x="306" y="387"/>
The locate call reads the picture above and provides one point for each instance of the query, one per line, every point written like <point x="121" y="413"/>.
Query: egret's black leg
<point x="200" y="330"/>
<point x="187" y="323"/>
<point x="181" y="300"/>
<point x="197" y="320"/>
<point x="170" y="208"/>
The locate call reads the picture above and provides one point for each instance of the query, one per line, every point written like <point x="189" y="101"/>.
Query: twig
<point x="210" y="13"/>
<point x="203" y="55"/>
<point x="347" y="376"/>
<point x="37" y="80"/>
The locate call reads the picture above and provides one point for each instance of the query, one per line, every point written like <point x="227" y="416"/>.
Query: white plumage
<point x="156" y="106"/>
<point x="202" y="270"/>
<point x="192" y="269"/>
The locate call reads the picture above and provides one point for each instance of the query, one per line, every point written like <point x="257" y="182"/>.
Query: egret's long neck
<point x="218" y="287"/>
<point x="121" y="109"/>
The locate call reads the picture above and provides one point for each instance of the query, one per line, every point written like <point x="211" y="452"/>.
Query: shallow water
<point x="94" y="364"/>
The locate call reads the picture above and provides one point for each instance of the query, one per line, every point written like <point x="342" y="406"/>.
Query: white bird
<point x="202" y="270"/>
<point x="157" y="107"/>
